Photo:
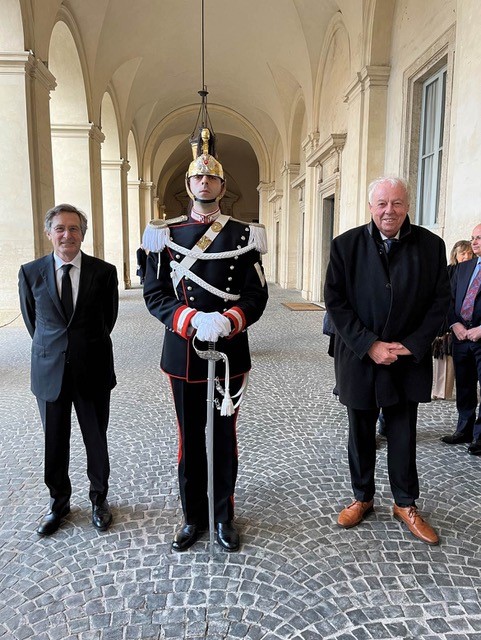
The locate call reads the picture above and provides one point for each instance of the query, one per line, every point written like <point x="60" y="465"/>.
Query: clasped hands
<point x="211" y="326"/>
<point x="461" y="333"/>
<point x="387" y="352"/>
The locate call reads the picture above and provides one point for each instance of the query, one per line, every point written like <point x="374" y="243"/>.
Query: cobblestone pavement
<point x="297" y="574"/>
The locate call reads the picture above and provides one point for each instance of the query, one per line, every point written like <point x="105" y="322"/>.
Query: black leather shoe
<point x="186" y="536"/>
<point x="51" y="522"/>
<point x="101" y="516"/>
<point x="227" y="536"/>
<point x="475" y="447"/>
<point x="456" y="438"/>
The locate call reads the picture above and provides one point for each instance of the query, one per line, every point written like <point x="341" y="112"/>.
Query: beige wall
<point x="301" y="124"/>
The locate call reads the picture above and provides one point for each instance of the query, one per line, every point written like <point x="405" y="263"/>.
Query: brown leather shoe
<point x="416" y="525"/>
<point x="354" y="513"/>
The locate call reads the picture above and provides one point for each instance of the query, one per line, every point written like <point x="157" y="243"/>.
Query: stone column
<point x="71" y="169"/>
<point x="96" y="137"/>
<point x="124" y="199"/>
<point x="275" y="215"/>
<point x="289" y="228"/>
<point x="135" y="230"/>
<point x="40" y="82"/>
<point x="309" y="145"/>
<point x="147" y="213"/>
<point x="367" y="102"/>
<point x="26" y="178"/>
<point x="113" y="218"/>
<point x="264" y="218"/>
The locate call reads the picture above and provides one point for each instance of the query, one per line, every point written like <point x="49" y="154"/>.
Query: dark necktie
<point x="67" y="297"/>
<point x="467" y="307"/>
<point x="388" y="244"/>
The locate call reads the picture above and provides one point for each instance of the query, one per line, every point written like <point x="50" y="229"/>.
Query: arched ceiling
<point x="258" y="55"/>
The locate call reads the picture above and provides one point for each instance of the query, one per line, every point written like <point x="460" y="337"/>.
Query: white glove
<point x="211" y="326"/>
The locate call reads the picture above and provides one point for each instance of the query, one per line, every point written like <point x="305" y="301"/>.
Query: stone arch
<point x="20" y="234"/>
<point x="15" y="25"/>
<point x="335" y="58"/>
<point x="65" y="16"/>
<point x="378" y="20"/>
<point x="227" y="121"/>
<point x="241" y="171"/>
<point x="70" y="127"/>
<point x="297" y="129"/>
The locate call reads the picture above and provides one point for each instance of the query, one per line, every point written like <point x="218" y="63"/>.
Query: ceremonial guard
<point x="204" y="281"/>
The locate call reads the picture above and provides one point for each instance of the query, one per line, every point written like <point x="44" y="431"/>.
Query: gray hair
<point x="393" y="181"/>
<point x="66" y="208"/>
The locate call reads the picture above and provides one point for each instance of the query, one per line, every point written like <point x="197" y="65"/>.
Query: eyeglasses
<point x="473" y="238"/>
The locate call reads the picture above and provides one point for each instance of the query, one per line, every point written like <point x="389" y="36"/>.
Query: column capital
<point x="265" y="187"/>
<point x="26" y="63"/>
<point x="125" y="166"/>
<point x="38" y="70"/>
<point x="290" y="169"/>
<point x="309" y="144"/>
<point x="334" y="143"/>
<point x="95" y="134"/>
<point x="148" y="186"/>
<point x="367" y="77"/>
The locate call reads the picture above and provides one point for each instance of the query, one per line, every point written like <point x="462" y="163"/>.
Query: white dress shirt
<point x="74" y="274"/>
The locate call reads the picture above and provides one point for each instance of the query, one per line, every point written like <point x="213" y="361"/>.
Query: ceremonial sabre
<point x="212" y="356"/>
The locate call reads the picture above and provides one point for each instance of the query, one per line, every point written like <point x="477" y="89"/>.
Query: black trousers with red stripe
<point x="191" y="408"/>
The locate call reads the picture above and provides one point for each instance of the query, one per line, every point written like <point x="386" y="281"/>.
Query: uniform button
<point x="192" y="298"/>
<point x="225" y="299"/>
<point x="236" y="258"/>
<point x="239" y="247"/>
<point x="224" y="310"/>
<point x="247" y="229"/>
<point x="232" y="267"/>
<point x="189" y="288"/>
<point x="243" y="237"/>
<point x="229" y="278"/>
<point x="177" y="256"/>
<point x="227" y="289"/>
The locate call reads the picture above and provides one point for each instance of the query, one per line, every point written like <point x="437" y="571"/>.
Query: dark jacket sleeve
<point x="27" y="302"/>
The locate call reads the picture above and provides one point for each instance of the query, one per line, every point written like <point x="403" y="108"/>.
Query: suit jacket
<point x="459" y="284"/>
<point x="84" y="341"/>
<point x="370" y="296"/>
<point x="241" y="275"/>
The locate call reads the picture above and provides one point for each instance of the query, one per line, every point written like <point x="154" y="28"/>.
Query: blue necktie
<point x="388" y="244"/>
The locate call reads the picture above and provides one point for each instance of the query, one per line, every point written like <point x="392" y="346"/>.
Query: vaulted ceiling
<point x="260" y="57"/>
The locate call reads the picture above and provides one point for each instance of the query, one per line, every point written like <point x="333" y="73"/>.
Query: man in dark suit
<point x="387" y="293"/>
<point x="465" y="321"/>
<point x="69" y="303"/>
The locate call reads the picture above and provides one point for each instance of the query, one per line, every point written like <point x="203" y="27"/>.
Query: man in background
<point x="465" y="321"/>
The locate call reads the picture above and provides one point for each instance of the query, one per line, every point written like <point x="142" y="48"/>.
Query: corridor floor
<point x="297" y="575"/>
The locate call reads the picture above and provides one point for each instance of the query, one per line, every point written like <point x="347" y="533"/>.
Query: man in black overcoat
<point x="205" y="281"/>
<point x="387" y="293"/>
<point x="465" y="321"/>
<point x="69" y="302"/>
